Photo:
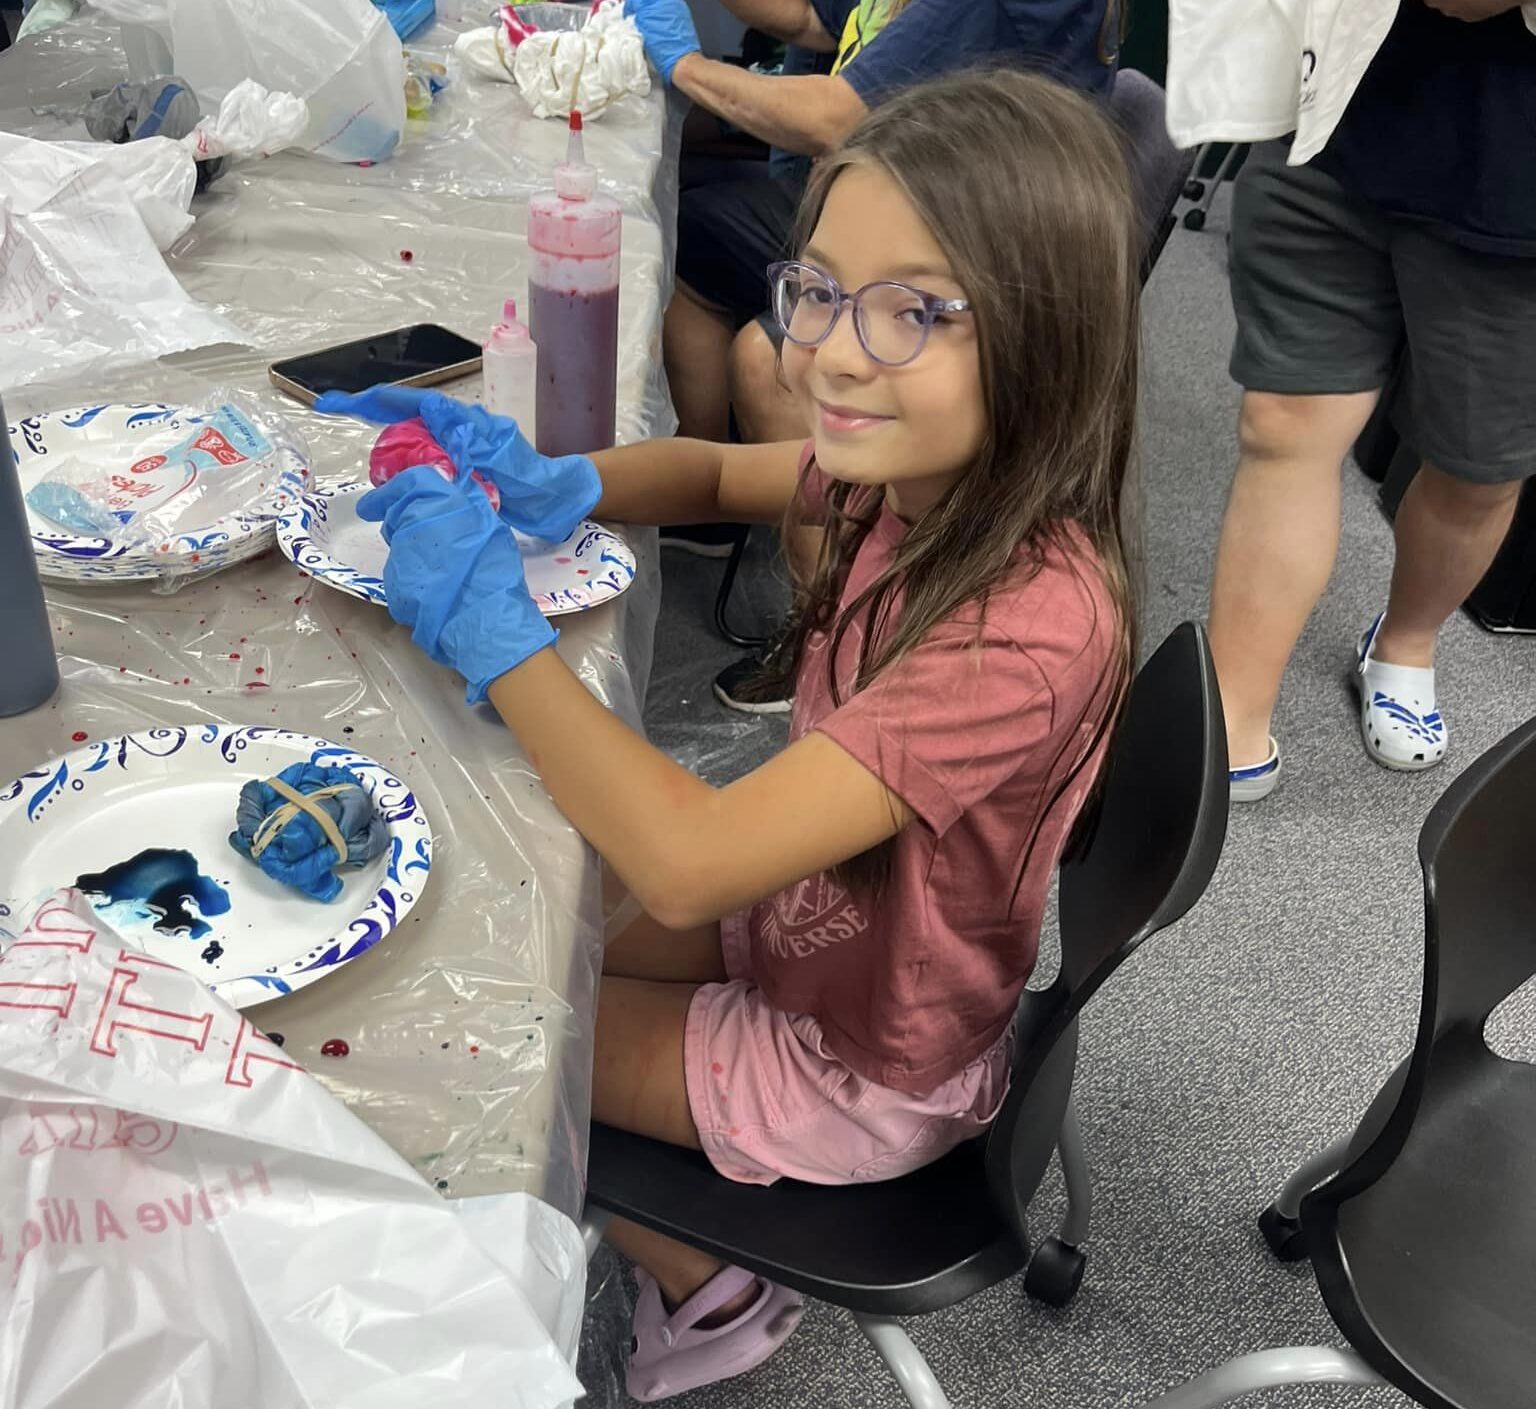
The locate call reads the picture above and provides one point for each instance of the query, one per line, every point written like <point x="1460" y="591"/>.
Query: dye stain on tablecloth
<point x="159" y="886"/>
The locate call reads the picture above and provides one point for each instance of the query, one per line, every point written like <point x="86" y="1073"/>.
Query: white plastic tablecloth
<point x="470" y="1028"/>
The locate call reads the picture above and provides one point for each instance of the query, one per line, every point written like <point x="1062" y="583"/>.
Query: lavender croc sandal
<point x="670" y="1354"/>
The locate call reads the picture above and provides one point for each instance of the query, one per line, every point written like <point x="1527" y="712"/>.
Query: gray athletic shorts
<point x="1328" y="291"/>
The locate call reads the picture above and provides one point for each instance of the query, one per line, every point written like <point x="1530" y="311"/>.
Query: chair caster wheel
<point x="1194" y="220"/>
<point x="1055" y="1272"/>
<point x="1194" y="189"/>
<point x="1283" y="1234"/>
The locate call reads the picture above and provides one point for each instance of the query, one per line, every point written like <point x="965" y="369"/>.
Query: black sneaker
<point x="703" y="540"/>
<point x="741" y="686"/>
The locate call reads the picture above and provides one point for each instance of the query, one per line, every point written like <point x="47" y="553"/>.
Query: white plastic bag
<point x="187" y="1218"/>
<point x="160" y="175"/>
<point x="251" y="122"/>
<point x="81" y="281"/>
<point x="341" y="57"/>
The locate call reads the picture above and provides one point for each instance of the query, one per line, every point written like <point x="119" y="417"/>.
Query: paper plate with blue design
<point x="323" y="536"/>
<point x="114" y="439"/>
<point x="141" y="824"/>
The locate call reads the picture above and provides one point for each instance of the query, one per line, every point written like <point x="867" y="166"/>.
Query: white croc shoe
<point x="1257" y="781"/>
<point x="1399" y="723"/>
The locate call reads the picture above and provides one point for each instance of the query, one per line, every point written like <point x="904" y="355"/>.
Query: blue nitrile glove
<point x="384" y="405"/>
<point x="540" y="496"/>
<point x="455" y="576"/>
<point x="666" y="26"/>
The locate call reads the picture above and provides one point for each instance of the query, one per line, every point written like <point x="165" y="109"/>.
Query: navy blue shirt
<point x="1443" y="128"/>
<point x="1076" y="41"/>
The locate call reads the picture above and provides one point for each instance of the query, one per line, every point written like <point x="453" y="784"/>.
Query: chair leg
<point x="1055" y="1272"/>
<point x="1269" y="1369"/>
<point x="594" y="1223"/>
<point x="905" y="1361"/>
<point x="1074" y="1172"/>
<point x="1194" y="219"/>
<point x="723" y="597"/>
<point x="1322" y="1166"/>
<point x="1280" y="1223"/>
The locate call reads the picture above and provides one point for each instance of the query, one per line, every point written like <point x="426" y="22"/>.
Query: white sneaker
<point x="1399" y="722"/>
<point x="1257" y="781"/>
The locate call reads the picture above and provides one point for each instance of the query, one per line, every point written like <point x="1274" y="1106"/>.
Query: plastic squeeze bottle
<point x="573" y="285"/>
<point x="29" y="668"/>
<point x="510" y="368"/>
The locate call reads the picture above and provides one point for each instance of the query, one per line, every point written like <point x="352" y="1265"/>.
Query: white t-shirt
<point x="1250" y="70"/>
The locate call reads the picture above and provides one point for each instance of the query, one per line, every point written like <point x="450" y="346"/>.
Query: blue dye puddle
<point x="162" y="882"/>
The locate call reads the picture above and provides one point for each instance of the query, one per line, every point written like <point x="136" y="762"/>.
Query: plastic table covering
<point x="470" y="1027"/>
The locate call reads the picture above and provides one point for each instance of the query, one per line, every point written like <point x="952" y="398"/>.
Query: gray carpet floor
<point x="1235" y="1043"/>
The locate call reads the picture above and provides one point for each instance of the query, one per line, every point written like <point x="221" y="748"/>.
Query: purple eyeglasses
<point x="892" y="321"/>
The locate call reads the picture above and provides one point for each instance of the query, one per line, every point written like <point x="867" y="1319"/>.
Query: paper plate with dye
<point x="120" y="440"/>
<point x="141" y="824"/>
<point x="323" y="536"/>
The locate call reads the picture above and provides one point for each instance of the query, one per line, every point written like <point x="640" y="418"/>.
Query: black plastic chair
<point x="1159" y="171"/>
<point x="1421" y="1226"/>
<point x="936" y="1237"/>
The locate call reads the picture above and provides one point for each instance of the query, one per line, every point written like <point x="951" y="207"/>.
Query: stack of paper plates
<point x="104" y="437"/>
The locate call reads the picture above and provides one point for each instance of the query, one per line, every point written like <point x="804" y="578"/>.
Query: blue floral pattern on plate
<point x="209" y="748"/>
<point x="592" y="566"/>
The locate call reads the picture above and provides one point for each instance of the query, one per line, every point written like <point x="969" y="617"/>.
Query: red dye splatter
<point x="79" y="736"/>
<point x="234" y="655"/>
<point x="581" y="572"/>
<point x="406" y="256"/>
<point x="186" y="679"/>
<point x="258" y="685"/>
<point x="365" y="163"/>
<point x="122" y="670"/>
<point x="334" y="1048"/>
<point x="244" y="639"/>
<point x="261" y="670"/>
<point x="562" y="561"/>
<point x="474" y="1051"/>
<point x="716" y="1068"/>
<point x="298" y="601"/>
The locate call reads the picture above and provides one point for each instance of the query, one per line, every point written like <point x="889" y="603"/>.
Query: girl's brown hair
<point x="1024" y="185"/>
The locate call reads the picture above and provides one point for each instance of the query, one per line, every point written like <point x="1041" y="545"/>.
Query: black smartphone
<point x="423" y="355"/>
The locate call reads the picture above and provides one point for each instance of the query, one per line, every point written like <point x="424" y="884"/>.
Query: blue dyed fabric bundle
<point x="283" y="836"/>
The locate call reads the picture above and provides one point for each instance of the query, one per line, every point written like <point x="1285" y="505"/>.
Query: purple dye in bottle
<point x="577" y="369"/>
<point x="573" y="314"/>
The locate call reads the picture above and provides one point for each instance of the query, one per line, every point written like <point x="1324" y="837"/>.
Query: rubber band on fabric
<point x="274" y="822"/>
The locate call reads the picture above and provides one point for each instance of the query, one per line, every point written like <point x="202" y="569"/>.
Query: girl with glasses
<point x="824" y="979"/>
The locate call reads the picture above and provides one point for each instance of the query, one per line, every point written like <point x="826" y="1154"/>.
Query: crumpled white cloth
<point x="558" y="71"/>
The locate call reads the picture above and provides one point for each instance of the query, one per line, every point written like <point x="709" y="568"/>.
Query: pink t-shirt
<point x="978" y="734"/>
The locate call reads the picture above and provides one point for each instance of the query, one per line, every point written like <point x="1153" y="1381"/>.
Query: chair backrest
<point x="1158" y="168"/>
<point x="1479" y="939"/>
<point x="1138" y="863"/>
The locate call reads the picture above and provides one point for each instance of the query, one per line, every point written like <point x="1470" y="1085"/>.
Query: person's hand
<point x="455" y="576"/>
<point x="540" y="496"/>
<point x="667" y="28"/>
<point x="1472" y="10"/>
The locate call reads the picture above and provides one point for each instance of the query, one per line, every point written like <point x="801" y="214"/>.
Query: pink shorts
<point x="771" y="1101"/>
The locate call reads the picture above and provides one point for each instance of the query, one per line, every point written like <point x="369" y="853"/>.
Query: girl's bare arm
<point x="689" y="852"/>
<point x="697" y="481"/>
